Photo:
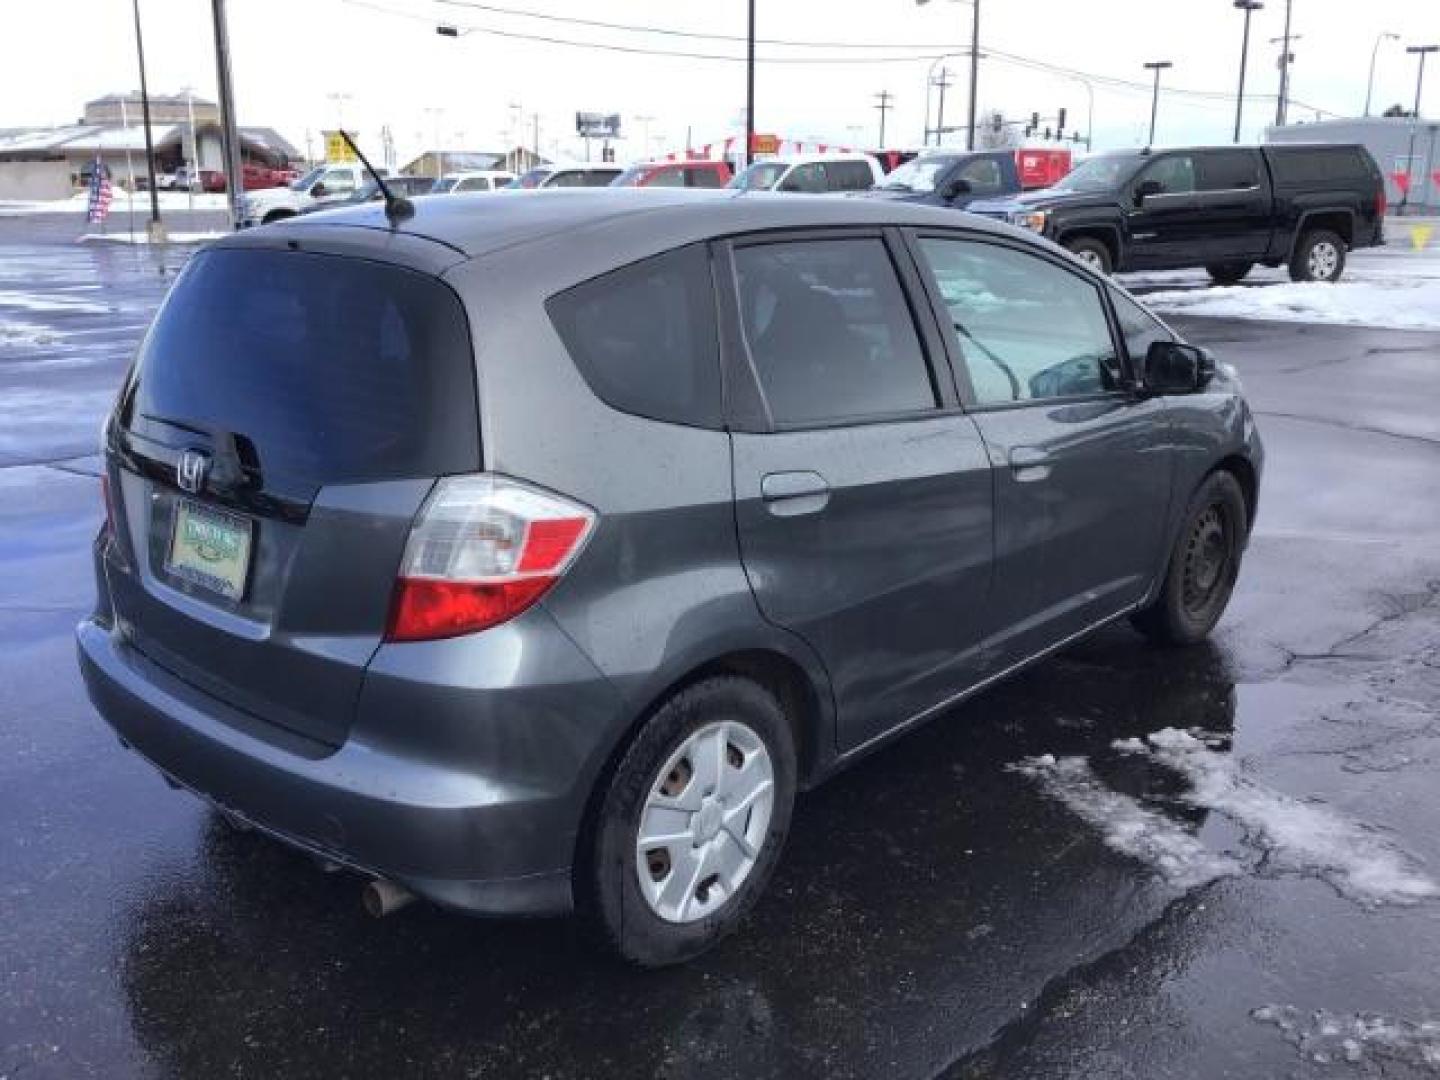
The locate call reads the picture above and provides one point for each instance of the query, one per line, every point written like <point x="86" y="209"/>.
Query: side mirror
<point x="318" y="191"/>
<point x="952" y="188"/>
<point x="1172" y="367"/>
<point x="1146" y="188"/>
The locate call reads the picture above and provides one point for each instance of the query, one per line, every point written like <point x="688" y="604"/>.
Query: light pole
<point x="193" y="173"/>
<point x="229" y="131"/>
<point x="1282" y="100"/>
<point x="1370" y="83"/>
<point x="929" y="82"/>
<point x="1421" y="51"/>
<point x="155" y="229"/>
<point x="1249" y="7"/>
<point x="750" y="87"/>
<point x="974" y="69"/>
<point x="1156" y="66"/>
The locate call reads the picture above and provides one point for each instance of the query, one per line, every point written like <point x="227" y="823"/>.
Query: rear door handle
<point x="787" y="494"/>
<point x="1029" y="463"/>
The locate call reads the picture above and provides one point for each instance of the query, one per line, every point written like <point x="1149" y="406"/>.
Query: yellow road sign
<point x="336" y="148"/>
<point x="1420" y="235"/>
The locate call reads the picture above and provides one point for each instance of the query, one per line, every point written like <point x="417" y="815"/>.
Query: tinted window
<point x="644" y="337"/>
<point x="570" y="178"/>
<point x="330" y="369"/>
<point x="983" y="176"/>
<point x="1175" y="174"/>
<point x="807" y="178"/>
<point x="1138" y="327"/>
<point x="473" y="183"/>
<point x="598" y="177"/>
<point x="849" y="176"/>
<point x="829" y="332"/>
<point x="702" y="178"/>
<point x="1320" y="164"/>
<point x="1227" y="170"/>
<point x="1026" y="328"/>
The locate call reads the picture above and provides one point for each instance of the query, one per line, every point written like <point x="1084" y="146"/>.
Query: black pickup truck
<point x="1226" y="209"/>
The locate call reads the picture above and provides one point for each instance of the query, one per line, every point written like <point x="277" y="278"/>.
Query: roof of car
<point x="472" y="226"/>
<point x="805" y="159"/>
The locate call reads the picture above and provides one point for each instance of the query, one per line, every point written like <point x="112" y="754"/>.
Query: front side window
<point x="707" y="177"/>
<point x="829" y="332"/>
<point x="1175" y="174"/>
<point x="666" y="178"/>
<point x="339" y="182"/>
<point x="1138" y="327"/>
<point x="644" y="337"/>
<point x="1026" y="329"/>
<point x="983" y="176"/>
<point x="806" y="178"/>
<point x="473" y="183"/>
<point x="570" y="178"/>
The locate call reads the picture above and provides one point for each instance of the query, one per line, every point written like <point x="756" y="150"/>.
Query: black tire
<point x="1092" y="253"/>
<point x="607" y="874"/>
<point x="1228" y="273"/>
<point x="1319" y="256"/>
<point x="1203" y="565"/>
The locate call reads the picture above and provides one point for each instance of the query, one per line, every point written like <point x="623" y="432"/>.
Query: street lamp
<point x="1421" y="51"/>
<point x="1249" y="7"/>
<point x="1156" y="66"/>
<point x="1370" y="83"/>
<point x="974" y="69"/>
<point x="156" y="230"/>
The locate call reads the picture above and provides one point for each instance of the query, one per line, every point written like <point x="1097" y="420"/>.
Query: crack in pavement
<point x="1424" y="440"/>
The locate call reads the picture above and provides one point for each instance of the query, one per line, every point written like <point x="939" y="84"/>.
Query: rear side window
<point x="666" y="178"/>
<point x="1321" y="164"/>
<point x="829" y="332"/>
<point x="322" y="369"/>
<point x="850" y="176"/>
<point x="1226" y="170"/>
<point x="703" y="178"/>
<point x="644" y="337"/>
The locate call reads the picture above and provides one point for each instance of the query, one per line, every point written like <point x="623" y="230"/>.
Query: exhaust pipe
<point x="382" y="897"/>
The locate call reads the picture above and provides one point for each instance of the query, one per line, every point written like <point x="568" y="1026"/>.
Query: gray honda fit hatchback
<point x="531" y="560"/>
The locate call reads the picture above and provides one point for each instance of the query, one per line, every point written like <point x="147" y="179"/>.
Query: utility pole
<point x="884" y="99"/>
<point x="942" y="83"/>
<point x="750" y="88"/>
<point x="974" y="70"/>
<point x="1283" y="100"/>
<point x="1156" y="66"/>
<point x="1249" y="7"/>
<point x="1421" y="51"/>
<point x="155" y="229"/>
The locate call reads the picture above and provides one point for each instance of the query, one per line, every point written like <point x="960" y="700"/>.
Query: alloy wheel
<point x="1324" y="260"/>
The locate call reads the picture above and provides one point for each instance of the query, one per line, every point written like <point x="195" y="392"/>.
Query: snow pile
<point x="121" y="202"/>
<point x="1303" y="837"/>
<point x="1126" y="825"/>
<point x="1325" y="1037"/>
<point x="143" y="238"/>
<point x="1397" y="304"/>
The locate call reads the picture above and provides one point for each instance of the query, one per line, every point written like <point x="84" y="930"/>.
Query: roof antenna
<point x="397" y="207"/>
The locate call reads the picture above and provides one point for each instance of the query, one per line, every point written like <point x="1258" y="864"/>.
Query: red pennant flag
<point x="823" y="148"/>
<point x="1435" y="177"/>
<point x="1402" y="181"/>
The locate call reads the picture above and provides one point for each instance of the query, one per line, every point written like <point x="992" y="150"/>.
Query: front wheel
<point x="1320" y="256"/>
<point x="1203" y="565"/>
<point x="691" y="823"/>
<point x="1092" y="253"/>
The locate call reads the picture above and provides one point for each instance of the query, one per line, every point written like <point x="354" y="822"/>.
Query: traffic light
<point x="1034" y="121"/>
<point x="996" y="123"/>
<point x="1047" y="134"/>
<point x="1060" y="124"/>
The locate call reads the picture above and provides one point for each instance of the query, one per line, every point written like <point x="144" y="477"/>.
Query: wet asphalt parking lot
<point x="1245" y="886"/>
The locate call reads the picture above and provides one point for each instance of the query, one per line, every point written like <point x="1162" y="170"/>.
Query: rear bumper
<point x="481" y="818"/>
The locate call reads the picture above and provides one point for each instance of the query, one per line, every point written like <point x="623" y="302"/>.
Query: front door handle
<point x="1029" y="463"/>
<point x="787" y="494"/>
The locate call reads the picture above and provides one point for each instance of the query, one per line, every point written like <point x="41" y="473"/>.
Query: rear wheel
<point x="1228" y="273"/>
<point x="1091" y="252"/>
<point x="691" y="823"/>
<point x="1203" y="565"/>
<point x="1320" y="256"/>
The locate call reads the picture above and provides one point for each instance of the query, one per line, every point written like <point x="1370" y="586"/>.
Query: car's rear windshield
<point x="322" y="369"/>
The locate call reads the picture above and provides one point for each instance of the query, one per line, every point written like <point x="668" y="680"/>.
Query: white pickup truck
<point x="321" y="185"/>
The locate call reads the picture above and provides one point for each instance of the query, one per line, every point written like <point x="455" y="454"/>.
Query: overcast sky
<point x="291" y="56"/>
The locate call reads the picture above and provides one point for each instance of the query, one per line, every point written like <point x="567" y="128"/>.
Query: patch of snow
<point x="121" y="202"/>
<point x="1128" y="746"/>
<point x="1398" y="304"/>
<point x="140" y="237"/>
<point x="1126" y="825"/>
<point x="1304" y="837"/>
<point x="1325" y="1037"/>
<point x="51" y="302"/>
<point x="16" y="335"/>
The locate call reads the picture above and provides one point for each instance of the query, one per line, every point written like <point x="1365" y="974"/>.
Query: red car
<point x="688" y="174"/>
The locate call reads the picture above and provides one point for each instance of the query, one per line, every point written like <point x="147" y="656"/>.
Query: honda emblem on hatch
<point x="190" y="470"/>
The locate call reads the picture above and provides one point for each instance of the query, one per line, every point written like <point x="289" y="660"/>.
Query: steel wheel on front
<point x="1208" y="554"/>
<point x="704" y="822"/>
<point x="1091" y="259"/>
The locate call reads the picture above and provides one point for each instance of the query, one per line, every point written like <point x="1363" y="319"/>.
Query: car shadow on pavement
<point x="924" y="897"/>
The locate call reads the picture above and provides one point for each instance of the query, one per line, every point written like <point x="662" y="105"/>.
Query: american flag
<point x="99" y="192"/>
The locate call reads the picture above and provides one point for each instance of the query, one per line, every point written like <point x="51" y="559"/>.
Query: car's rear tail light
<point x="482" y="550"/>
